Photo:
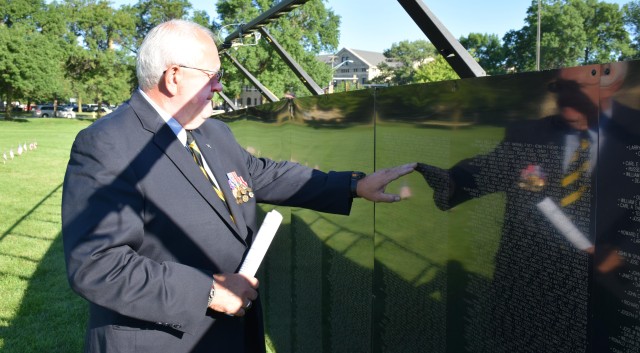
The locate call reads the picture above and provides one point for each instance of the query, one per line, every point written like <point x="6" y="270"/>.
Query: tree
<point x="98" y="67"/>
<point x="403" y="59"/>
<point x="574" y="32"/>
<point x="150" y="13"/>
<point x="303" y="32"/>
<point x="632" y="21"/>
<point x="607" y="38"/>
<point x="32" y="38"/>
<point x="487" y="50"/>
<point x="436" y="70"/>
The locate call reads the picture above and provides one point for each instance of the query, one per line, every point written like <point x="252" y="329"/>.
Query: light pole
<point x="538" y="39"/>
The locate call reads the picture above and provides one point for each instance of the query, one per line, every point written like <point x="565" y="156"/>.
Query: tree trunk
<point x="8" y="107"/>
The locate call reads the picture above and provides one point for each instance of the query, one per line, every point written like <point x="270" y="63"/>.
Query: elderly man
<point x="154" y="230"/>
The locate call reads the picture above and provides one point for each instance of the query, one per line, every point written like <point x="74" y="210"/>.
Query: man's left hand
<point x="372" y="186"/>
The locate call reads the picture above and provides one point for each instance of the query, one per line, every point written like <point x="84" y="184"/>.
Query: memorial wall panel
<point x="318" y="273"/>
<point x="520" y="231"/>
<point x="479" y="285"/>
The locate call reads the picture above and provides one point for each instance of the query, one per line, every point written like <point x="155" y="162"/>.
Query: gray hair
<point x="173" y="42"/>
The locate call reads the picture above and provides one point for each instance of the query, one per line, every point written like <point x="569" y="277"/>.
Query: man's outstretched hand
<point x="372" y="186"/>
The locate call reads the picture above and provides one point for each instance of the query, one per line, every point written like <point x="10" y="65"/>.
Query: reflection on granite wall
<point x="520" y="231"/>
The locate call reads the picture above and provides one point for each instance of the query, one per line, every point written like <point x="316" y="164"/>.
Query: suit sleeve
<point x="291" y="184"/>
<point x="102" y="225"/>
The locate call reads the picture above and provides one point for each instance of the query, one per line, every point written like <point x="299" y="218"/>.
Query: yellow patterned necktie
<point x="197" y="157"/>
<point x="576" y="181"/>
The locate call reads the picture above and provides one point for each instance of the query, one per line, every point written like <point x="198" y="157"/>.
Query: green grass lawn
<point x="39" y="313"/>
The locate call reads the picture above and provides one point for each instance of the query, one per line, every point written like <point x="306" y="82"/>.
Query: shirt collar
<point x="175" y="126"/>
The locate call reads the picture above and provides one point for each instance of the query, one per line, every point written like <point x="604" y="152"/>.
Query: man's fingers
<point x="407" y="168"/>
<point x="252" y="281"/>
<point x="232" y="292"/>
<point x="372" y="187"/>
<point x="388" y="198"/>
<point x="396" y="172"/>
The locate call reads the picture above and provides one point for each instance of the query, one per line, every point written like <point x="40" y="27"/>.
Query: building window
<point x="344" y="70"/>
<point x="248" y="101"/>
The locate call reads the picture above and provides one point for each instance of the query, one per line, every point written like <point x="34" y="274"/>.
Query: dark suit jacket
<point x="144" y="231"/>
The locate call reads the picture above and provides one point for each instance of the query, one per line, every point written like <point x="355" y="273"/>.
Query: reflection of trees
<point x="276" y="112"/>
<point x="326" y="111"/>
<point x="460" y="102"/>
<point x="487" y="99"/>
<point x="335" y="110"/>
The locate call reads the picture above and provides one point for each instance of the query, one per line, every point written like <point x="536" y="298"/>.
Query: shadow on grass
<point x="14" y="120"/>
<point x="50" y="317"/>
<point x="48" y="309"/>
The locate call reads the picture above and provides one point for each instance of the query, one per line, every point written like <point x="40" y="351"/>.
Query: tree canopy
<point x="573" y="32"/>
<point x="55" y="50"/>
<point x="595" y="30"/>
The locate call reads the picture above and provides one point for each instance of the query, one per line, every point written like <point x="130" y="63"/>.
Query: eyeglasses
<point x="212" y="74"/>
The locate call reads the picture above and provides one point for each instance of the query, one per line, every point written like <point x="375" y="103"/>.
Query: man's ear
<point x="170" y="79"/>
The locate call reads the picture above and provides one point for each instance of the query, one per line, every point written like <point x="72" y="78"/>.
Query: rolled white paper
<point x="563" y="224"/>
<point x="261" y="243"/>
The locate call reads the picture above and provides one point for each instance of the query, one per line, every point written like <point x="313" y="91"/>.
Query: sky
<point x="375" y="25"/>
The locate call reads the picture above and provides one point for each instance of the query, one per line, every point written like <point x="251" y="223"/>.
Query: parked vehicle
<point x="104" y="110"/>
<point x="85" y="108"/>
<point x="65" y="112"/>
<point x="93" y="108"/>
<point x="45" y="111"/>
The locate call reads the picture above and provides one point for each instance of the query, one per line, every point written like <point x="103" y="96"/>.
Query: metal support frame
<point x="227" y="100"/>
<point x="264" y="90"/>
<point x="258" y="25"/>
<point x="446" y="44"/>
<point x="311" y="85"/>
<point x="282" y="8"/>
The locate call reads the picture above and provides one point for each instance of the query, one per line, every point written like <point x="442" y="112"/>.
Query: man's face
<point x="197" y="85"/>
<point x="578" y="91"/>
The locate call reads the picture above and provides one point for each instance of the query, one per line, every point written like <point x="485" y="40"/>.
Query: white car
<point x="65" y="112"/>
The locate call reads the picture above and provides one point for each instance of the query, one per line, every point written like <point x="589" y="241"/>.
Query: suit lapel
<point x="166" y="140"/>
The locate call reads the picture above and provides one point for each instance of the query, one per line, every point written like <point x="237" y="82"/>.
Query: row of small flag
<point x="22" y="148"/>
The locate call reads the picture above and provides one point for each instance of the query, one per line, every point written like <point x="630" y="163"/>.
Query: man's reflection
<point x="539" y="297"/>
